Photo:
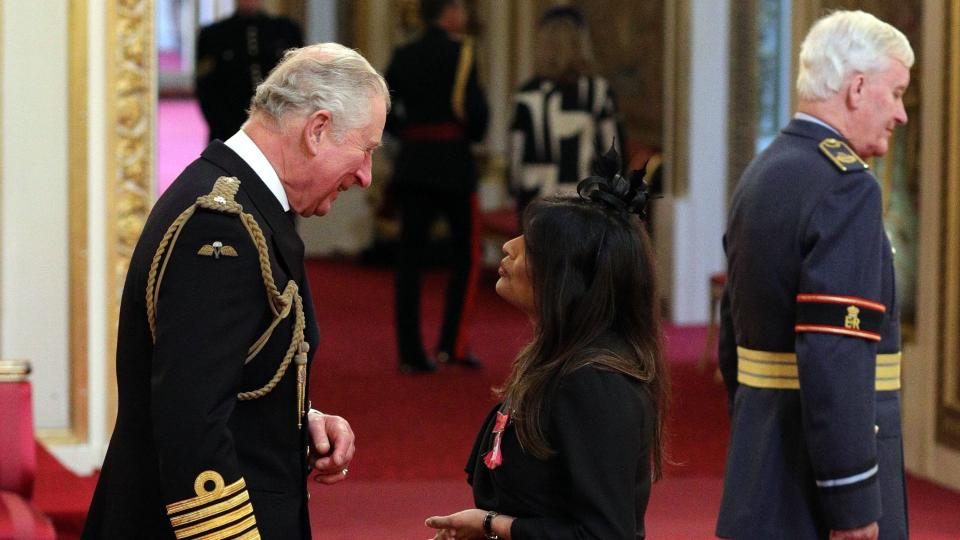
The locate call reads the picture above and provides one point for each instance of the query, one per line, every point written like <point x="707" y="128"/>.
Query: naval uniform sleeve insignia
<point x="218" y="510"/>
<point x="842" y="156"/>
<point x="843" y="315"/>
<point x="217" y="249"/>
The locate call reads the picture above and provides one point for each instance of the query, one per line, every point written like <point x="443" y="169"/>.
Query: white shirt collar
<point x="810" y="118"/>
<point x="243" y="145"/>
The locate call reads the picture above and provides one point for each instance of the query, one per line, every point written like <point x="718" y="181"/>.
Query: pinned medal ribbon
<point x="494" y="457"/>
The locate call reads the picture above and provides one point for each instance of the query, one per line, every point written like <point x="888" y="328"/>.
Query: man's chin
<point x="879" y="150"/>
<point x="323" y="209"/>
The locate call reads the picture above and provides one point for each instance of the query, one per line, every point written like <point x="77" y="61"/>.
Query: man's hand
<point x="331" y="446"/>
<point x="870" y="532"/>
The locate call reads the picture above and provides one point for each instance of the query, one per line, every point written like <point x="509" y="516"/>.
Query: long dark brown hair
<point x="593" y="277"/>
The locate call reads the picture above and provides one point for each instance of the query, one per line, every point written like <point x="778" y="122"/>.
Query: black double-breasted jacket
<point x="186" y="454"/>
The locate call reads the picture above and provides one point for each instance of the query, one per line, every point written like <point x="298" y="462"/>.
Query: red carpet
<point x="414" y="432"/>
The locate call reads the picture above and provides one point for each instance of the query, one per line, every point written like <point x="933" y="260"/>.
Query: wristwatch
<point x="488" y="526"/>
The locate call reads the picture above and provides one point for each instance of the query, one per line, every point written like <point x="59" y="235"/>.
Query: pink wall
<point x="181" y="136"/>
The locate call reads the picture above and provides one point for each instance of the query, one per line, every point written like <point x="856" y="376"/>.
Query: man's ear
<point x="317" y="126"/>
<point x="855" y="91"/>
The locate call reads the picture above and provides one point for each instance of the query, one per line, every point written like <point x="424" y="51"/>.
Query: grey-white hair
<point x="324" y="76"/>
<point x="843" y="43"/>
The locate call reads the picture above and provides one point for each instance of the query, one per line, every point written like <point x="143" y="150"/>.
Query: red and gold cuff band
<point x="842" y="315"/>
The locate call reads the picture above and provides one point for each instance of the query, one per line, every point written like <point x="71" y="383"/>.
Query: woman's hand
<point x="464" y="525"/>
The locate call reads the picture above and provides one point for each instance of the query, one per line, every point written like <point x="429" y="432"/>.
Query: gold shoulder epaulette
<point x="842" y="155"/>
<point x="222" y="197"/>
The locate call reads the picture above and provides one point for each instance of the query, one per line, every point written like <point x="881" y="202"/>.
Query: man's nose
<point x="365" y="174"/>
<point x="901" y="117"/>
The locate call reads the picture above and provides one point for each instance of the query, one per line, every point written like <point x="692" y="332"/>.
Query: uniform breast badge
<point x="216" y="249"/>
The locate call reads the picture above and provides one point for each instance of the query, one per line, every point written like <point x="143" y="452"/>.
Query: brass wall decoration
<point x="131" y="102"/>
<point x="77" y="149"/>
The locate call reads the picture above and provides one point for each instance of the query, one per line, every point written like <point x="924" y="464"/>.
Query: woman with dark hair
<point x="576" y="442"/>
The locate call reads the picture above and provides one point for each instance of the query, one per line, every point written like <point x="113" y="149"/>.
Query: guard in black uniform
<point x="440" y="110"/>
<point x="810" y="340"/>
<point x="214" y="434"/>
<point x="233" y="56"/>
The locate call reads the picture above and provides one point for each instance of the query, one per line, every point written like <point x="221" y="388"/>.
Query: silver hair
<point x="324" y="76"/>
<point x="843" y="43"/>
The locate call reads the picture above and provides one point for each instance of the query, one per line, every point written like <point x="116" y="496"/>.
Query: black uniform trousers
<point x="419" y="210"/>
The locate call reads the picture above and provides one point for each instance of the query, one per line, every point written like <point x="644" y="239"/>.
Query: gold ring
<point x="344" y="471"/>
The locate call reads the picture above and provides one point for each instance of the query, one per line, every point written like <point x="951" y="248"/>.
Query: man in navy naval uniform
<point x="215" y="433"/>
<point x="810" y="341"/>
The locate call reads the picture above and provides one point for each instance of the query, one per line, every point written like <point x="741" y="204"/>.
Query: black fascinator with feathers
<point x="610" y="188"/>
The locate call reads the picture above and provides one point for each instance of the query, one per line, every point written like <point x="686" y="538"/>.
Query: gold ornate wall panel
<point x="677" y="56"/>
<point x="131" y="104"/>
<point x="948" y="395"/>
<point x="77" y="429"/>
<point x="77" y="155"/>
<point x="629" y="51"/>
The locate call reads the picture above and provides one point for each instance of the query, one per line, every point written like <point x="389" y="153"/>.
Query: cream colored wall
<point x="84" y="457"/>
<point x="34" y="226"/>
<point x="699" y="215"/>
<point x="35" y="231"/>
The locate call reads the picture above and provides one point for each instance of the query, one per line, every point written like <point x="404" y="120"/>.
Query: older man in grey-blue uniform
<point x="810" y="339"/>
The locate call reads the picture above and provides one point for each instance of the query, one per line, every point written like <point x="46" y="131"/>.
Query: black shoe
<point x="467" y="360"/>
<point x="424" y="365"/>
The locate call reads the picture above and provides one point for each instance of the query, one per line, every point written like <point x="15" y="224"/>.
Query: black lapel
<point x="284" y="234"/>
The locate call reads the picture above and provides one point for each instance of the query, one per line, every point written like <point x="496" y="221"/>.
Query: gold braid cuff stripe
<point x="250" y="535"/>
<point x="778" y="370"/>
<point x="205" y="496"/>
<point x="208" y="511"/>
<point x="216" y="522"/>
<point x="232" y="523"/>
<point x="232" y="530"/>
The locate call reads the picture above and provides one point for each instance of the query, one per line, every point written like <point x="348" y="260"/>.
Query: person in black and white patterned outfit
<point x="565" y="116"/>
